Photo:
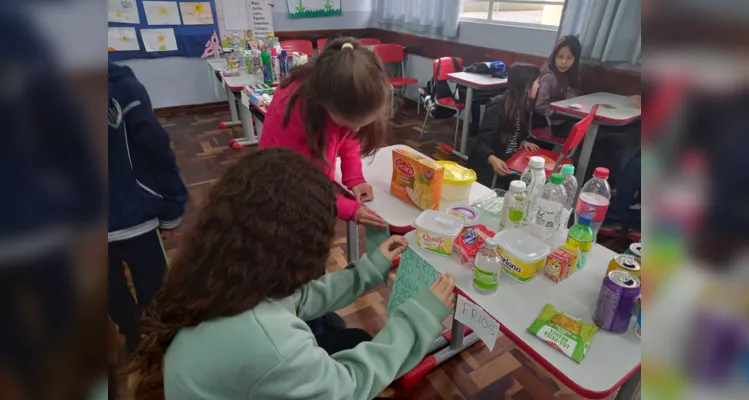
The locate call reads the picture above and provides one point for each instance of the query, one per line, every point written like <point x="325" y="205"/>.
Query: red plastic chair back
<point x="300" y="46"/>
<point x="369" y="41"/>
<point x="321" y="44"/>
<point x="578" y="132"/>
<point x="389" y="53"/>
<point x="446" y="66"/>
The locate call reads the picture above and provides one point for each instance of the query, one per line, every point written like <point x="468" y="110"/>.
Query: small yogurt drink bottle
<point x="513" y="208"/>
<point x="534" y="177"/>
<point x="488" y="268"/>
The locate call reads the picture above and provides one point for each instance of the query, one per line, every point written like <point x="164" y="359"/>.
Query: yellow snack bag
<point x="416" y="180"/>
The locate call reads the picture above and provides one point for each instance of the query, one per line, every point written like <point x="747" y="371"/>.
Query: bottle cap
<point x="568" y="169"/>
<point x="517" y="186"/>
<point x="537" y="162"/>
<point x="585" y="219"/>
<point x="601" y="173"/>
<point x="557" y="179"/>
<point x="491" y="243"/>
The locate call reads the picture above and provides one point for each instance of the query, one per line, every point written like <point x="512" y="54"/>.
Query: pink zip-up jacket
<point x="341" y="142"/>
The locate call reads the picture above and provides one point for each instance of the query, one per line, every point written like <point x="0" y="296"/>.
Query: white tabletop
<point x="378" y="171"/>
<point x="217" y="64"/>
<point x="622" y="110"/>
<point x="244" y="79"/>
<point x="477" y="81"/>
<point x="516" y="305"/>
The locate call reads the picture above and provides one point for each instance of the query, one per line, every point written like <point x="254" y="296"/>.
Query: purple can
<point x="616" y="301"/>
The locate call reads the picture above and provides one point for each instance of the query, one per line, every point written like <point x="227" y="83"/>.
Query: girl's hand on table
<point x="393" y="247"/>
<point x="443" y="288"/>
<point x="367" y="217"/>
<point x="499" y="166"/>
<point x="363" y="192"/>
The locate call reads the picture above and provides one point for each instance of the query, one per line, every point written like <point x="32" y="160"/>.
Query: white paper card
<point x="261" y="17"/>
<point x="198" y="13"/>
<point x="235" y="15"/>
<point x="162" y="13"/>
<point x="158" y="39"/>
<point x="122" y="39"/>
<point x="477" y="319"/>
<point x="124" y="11"/>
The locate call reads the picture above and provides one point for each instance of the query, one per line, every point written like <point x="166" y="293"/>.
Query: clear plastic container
<point x="594" y="199"/>
<point x="436" y="231"/>
<point x="534" y="177"/>
<point x="490" y="208"/>
<point x="457" y="181"/>
<point x="550" y="205"/>
<point x="488" y="267"/>
<point x="570" y="185"/>
<point x="523" y="255"/>
<point x="513" y="209"/>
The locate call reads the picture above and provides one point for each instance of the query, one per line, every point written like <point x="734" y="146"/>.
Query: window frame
<point x="489" y="20"/>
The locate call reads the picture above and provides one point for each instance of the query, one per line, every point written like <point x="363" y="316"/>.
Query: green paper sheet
<point x="414" y="276"/>
<point x="374" y="237"/>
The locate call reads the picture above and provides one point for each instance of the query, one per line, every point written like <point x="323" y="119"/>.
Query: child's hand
<point x="363" y="192"/>
<point x="367" y="217"/>
<point x="393" y="247"/>
<point x="443" y="289"/>
<point x="499" y="166"/>
<point x="528" y="146"/>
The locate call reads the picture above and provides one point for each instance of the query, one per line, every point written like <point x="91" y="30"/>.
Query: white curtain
<point x="609" y="30"/>
<point x="439" y="17"/>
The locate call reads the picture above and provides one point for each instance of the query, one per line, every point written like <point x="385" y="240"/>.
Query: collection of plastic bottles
<point x="264" y="58"/>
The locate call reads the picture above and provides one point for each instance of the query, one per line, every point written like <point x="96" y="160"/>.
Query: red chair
<point x="519" y="161"/>
<point x="321" y="44"/>
<point x="393" y="53"/>
<point x="300" y="46"/>
<point x="440" y="68"/>
<point x="544" y="134"/>
<point x="369" y="41"/>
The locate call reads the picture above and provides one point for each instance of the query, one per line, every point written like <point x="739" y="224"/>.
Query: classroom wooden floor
<point x="506" y="373"/>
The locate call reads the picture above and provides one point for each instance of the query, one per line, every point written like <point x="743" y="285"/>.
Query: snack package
<point x="470" y="241"/>
<point x="416" y="180"/>
<point x="561" y="263"/>
<point x="568" y="334"/>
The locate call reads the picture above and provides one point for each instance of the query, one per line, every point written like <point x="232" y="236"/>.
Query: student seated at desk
<point x="506" y="126"/>
<point x="560" y="79"/>
<point x="229" y="320"/>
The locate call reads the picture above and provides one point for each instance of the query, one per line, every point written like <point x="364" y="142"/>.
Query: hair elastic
<point x="347" y="46"/>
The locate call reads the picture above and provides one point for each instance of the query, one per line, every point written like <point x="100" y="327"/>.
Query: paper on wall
<point x="122" y="39"/>
<point x="197" y="13"/>
<point x="159" y="39"/>
<point x="478" y="320"/>
<point x="124" y="11"/>
<point x="235" y="15"/>
<point x="261" y="17"/>
<point x="161" y="13"/>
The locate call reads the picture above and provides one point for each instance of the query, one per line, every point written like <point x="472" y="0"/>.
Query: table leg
<point x="582" y="164"/>
<point x="456" y="341"/>
<point x="631" y="388"/>
<point x="232" y="109"/>
<point x="466" y="121"/>
<point x="247" y="127"/>
<point x="352" y="240"/>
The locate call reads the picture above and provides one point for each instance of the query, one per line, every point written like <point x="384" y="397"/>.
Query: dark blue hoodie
<point x="145" y="189"/>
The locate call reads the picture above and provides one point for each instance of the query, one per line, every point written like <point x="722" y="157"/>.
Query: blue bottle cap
<point x="585" y="219"/>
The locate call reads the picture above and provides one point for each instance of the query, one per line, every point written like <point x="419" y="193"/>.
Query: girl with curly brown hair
<point x="229" y="320"/>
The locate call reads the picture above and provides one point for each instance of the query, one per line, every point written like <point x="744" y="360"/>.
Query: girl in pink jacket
<point x="334" y="106"/>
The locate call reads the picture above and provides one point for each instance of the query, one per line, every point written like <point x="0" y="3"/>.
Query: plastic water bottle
<point x="534" y="177"/>
<point x="513" y="208"/>
<point x="581" y="237"/>
<point x="594" y="199"/>
<point x="570" y="185"/>
<point x="488" y="268"/>
<point x="550" y="205"/>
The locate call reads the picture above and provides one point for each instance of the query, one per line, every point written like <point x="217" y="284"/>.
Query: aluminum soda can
<point x="625" y="262"/>
<point x="620" y="292"/>
<point x="635" y="250"/>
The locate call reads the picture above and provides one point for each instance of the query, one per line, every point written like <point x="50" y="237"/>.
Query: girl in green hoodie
<point x="229" y="321"/>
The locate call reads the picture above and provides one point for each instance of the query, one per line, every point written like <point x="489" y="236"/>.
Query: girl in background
<point x="506" y="125"/>
<point x="560" y="79"/>
<point x="334" y="106"/>
<point x="228" y="322"/>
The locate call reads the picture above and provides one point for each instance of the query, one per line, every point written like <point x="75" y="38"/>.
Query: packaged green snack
<point x="566" y="333"/>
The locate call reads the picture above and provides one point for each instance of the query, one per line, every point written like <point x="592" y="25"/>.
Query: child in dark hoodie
<point x="146" y="195"/>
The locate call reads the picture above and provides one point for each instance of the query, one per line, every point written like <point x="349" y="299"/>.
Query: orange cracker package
<point x="416" y="180"/>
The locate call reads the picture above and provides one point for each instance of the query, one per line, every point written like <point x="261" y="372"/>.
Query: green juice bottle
<point x="580" y="237"/>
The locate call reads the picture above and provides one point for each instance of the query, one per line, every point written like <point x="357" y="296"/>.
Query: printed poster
<point x="159" y="39"/>
<point x="124" y="11"/>
<point x="314" y="8"/>
<point x="196" y="13"/>
<point x="122" y="39"/>
<point x="162" y="13"/>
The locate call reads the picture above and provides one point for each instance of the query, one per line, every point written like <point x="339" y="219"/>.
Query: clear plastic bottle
<point x="534" y="177"/>
<point x="550" y="205"/>
<point x="513" y="207"/>
<point x="570" y="185"/>
<point x="488" y="268"/>
<point x="594" y="199"/>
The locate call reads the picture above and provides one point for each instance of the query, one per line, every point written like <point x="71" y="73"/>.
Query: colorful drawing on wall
<point x="159" y="39"/>
<point x="124" y="11"/>
<point x="196" y="13"/>
<point x="161" y="13"/>
<point x="122" y="39"/>
<point x="314" y="8"/>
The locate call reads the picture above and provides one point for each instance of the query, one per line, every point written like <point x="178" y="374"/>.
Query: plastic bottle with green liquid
<point x="580" y="237"/>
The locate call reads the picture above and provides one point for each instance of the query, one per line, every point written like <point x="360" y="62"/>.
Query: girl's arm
<point x="547" y="85"/>
<point x="488" y="131"/>
<point x="347" y="208"/>
<point x="350" y="153"/>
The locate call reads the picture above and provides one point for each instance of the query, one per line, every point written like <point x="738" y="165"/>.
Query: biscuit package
<point x="568" y="334"/>
<point x="416" y="180"/>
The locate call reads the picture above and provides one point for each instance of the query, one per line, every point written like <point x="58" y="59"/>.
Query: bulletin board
<point x="155" y="29"/>
<point x="314" y="8"/>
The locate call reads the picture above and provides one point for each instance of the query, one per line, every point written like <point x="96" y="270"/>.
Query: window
<point x="547" y="13"/>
